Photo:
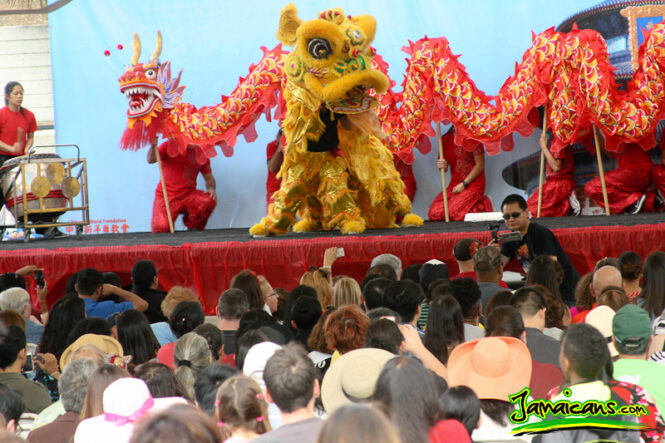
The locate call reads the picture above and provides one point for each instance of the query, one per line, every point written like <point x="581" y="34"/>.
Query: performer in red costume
<point x="17" y="124"/>
<point x="466" y="192"/>
<point x="275" y="156"/>
<point x="558" y="197"/>
<point x="180" y="173"/>
<point x="658" y="178"/>
<point x="627" y="184"/>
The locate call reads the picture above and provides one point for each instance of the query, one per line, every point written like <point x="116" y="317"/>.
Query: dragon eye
<point x="319" y="48"/>
<point x="151" y="74"/>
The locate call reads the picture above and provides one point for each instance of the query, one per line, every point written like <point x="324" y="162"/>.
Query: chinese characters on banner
<point x="114" y="226"/>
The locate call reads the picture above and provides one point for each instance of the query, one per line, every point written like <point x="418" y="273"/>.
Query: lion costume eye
<point x="319" y="48"/>
<point x="151" y="74"/>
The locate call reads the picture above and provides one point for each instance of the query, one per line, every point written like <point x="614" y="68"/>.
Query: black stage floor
<point x="242" y="235"/>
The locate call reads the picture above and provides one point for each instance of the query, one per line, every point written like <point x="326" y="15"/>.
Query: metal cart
<point x="38" y="188"/>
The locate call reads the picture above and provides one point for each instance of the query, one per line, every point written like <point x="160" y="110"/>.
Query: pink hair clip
<point x="259" y="419"/>
<point x="217" y="402"/>
<point x="260" y="396"/>
<point x="220" y="424"/>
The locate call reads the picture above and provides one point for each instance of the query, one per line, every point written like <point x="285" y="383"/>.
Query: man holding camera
<point x="536" y="240"/>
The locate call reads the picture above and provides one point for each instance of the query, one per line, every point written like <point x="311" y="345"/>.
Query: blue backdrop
<point x="215" y="42"/>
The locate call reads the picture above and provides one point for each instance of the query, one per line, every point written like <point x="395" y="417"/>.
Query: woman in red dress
<point x="466" y="192"/>
<point x="558" y="197"/>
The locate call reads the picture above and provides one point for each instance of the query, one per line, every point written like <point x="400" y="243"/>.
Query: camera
<point x="39" y="278"/>
<point x="503" y="238"/>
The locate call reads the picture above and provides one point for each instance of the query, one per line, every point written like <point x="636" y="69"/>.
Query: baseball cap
<point x="631" y="326"/>
<point x="487" y="258"/>
<point x="466" y="248"/>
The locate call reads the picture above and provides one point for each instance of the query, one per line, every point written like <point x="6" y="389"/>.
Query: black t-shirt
<point x="154" y="299"/>
<point x="541" y="241"/>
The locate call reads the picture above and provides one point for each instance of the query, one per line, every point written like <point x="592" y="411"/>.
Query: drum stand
<point x="38" y="190"/>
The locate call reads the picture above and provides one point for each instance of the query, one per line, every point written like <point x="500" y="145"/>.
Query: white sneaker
<point x="637" y="206"/>
<point x="575" y="207"/>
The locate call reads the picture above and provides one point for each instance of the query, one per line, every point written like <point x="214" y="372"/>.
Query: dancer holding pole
<point x="466" y="191"/>
<point x="556" y="197"/>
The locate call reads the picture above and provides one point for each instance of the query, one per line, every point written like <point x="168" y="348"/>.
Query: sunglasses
<point x="513" y="215"/>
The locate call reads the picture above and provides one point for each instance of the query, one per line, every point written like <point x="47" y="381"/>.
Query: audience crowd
<point x="414" y="354"/>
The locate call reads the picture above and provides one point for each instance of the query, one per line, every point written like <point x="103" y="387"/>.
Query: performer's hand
<point x="212" y="194"/>
<point x="542" y="141"/>
<point x="16" y="147"/>
<point x="442" y="164"/>
<point x="459" y="188"/>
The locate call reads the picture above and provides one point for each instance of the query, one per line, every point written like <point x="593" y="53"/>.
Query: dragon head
<point x="332" y="58"/>
<point x="148" y="86"/>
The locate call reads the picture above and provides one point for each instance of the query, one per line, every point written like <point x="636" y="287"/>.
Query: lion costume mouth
<point x="142" y="97"/>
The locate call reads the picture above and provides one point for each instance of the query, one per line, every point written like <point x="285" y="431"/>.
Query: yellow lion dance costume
<point x="336" y="174"/>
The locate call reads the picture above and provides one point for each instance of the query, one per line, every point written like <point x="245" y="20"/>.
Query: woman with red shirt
<point x="17" y="124"/>
<point x="466" y="192"/>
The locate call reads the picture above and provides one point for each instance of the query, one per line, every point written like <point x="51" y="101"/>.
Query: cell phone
<point x="39" y="278"/>
<point x="29" y="365"/>
<point x="339" y="253"/>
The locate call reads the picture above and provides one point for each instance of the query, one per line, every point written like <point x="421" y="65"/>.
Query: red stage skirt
<point x="556" y="191"/>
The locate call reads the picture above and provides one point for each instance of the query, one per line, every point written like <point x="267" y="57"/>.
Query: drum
<point x="40" y="181"/>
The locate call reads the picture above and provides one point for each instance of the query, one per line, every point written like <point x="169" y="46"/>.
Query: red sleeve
<point x="271" y="149"/>
<point x="205" y="168"/>
<point x="32" y="123"/>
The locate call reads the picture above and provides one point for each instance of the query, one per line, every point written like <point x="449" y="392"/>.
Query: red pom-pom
<point x="107" y="53"/>
<point x="120" y="46"/>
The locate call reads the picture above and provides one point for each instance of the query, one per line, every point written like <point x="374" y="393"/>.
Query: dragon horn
<point x="137" y="49"/>
<point x="158" y="46"/>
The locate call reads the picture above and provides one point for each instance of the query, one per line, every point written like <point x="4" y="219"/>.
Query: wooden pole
<point x="601" y="171"/>
<point x="542" y="164"/>
<point x="443" y="173"/>
<point x="166" y="197"/>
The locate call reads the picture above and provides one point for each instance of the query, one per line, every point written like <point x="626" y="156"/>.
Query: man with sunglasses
<point x="536" y="240"/>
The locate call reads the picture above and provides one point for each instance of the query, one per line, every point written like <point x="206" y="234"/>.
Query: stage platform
<point x="205" y="261"/>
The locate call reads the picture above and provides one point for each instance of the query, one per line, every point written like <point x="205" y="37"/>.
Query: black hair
<point x="245" y="342"/>
<point x="384" y="334"/>
<point x="112" y="278"/>
<point x="90" y="325"/>
<point x="294" y="295"/>
<point x="11" y="280"/>
<point x="514" y="198"/>
<point x="306" y="312"/>
<point x="653" y="289"/>
<point x="63" y="316"/>
<point x="11" y="344"/>
<point x="406" y="392"/>
<point x="431" y="272"/>
<point x="377" y="313"/>
<point x="462" y="404"/>
<point x="586" y="350"/>
<point x="11" y="404"/>
<point x="88" y="280"/>
<point x="542" y="271"/>
<point x="438" y="288"/>
<point x="497" y="410"/>
<point x="185" y="317"/>
<point x="528" y="300"/>
<point x="404" y="297"/>
<point x="136" y="336"/>
<point x="160" y="379"/>
<point x="253" y="319"/>
<point x="412" y="272"/>
<point x="467" y="293"/>
<point x="504" y="321"/>
<point x="373" y="290"/>
<point x="630" y="264"/>
<point x="207" y="384"/>
<point x="143" y="274"/>
<point x="247" y="282"/>
<point x="9" y="87"/>
<point x="213" y="336"/>
<point x="445" y="327"/>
